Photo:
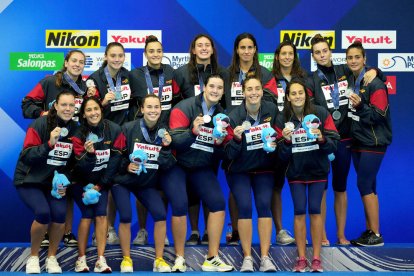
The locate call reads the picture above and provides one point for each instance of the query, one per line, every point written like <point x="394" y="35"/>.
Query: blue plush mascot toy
<point x="139" y="157"/>
<point x="59" y="182"/>
<point x="220" y="122"/>
<point x="268" y="136"/>
<point x="90" y="196"/>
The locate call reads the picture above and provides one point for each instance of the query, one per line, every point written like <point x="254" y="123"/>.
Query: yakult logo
<point x="132" y="38"/>
<point x="370" y="39"/>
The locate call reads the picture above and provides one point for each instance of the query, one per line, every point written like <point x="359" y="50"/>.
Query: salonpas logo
<point x="23" y="61"/>
<point x="266" y="60"/>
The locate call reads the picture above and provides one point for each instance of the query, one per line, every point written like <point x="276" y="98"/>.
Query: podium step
<point x="391" y="257"/>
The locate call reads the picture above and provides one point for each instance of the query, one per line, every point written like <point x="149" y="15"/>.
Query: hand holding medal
<point x="54" y="136"/>
<point x="165" y="136"/>
<point x="197" y="123"/>
<point x="91" y="88"/>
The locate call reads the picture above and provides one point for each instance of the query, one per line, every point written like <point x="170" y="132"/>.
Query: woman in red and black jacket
<point x="150" y="78"/>
<point x="308" y="166"/>
<point x="328" y="86"/>
<point x="112" y="85"/>
<point x="189" y="81"/>
<point x="148" y="135"/>
<point x="69" y="78"/>
<point x="249" y="167"/>
<point x="196" y="151"/>
<point x="47" y="149"/>
<point x="286" y="66"/>
<point x="372" y="133"/>
<point x="98" y="146"/>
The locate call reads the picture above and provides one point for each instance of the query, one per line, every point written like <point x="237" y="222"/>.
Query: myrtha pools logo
<point x="402" y="62"/>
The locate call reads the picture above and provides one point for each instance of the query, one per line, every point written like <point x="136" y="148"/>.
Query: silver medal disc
<point x="64" y="132"/>
<point x="290" y="125"/>
<point x="161" y="132"/>
<point x="207" y="119"/>
<point x="336" y="115"/>
<point x="92" y="137"/>
<point x="246" y="125"/>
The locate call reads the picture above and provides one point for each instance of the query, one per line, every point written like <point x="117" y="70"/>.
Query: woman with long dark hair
<point x="98" y="146"/>
<point x="308" y="165"/>
<point x="372" y="133"/>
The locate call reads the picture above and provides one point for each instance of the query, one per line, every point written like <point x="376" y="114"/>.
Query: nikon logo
<point x="302" y="39"/>
<point x="73" y="38"/>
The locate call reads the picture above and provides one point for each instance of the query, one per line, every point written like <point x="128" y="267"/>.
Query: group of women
<point x="93" y="132"/>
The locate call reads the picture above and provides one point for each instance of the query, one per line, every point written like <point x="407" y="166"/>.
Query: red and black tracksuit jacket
<point x="119" y="116"/>
<point x="133" y="135"/>
<point x="181" y="126"/>
<point x="45" y="92"/>
<point x="239" y="159"/>
<point x="94" y="167"/>
<point x="308" y="166"/>
<point x="32" y="165"/>
<point x="371" y="129"/>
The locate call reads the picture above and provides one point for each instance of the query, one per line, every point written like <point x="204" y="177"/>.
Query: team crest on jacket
<point x="168" y="82"/>
<point x="268" y="119"/>
<point x="342" y="78"/>
<point x="362" y="90"/>
<point x="107" y="142"/>
<point x="125" y="81"/>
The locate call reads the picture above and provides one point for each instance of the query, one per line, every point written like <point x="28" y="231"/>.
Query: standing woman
<point x="189" y="81"/>
<point x="98" y="146"/>
<point x="69" y="78"/>
<point x="286" y="66"/>
<point x="191" y="130"/>
<point x="371" y="131"/>
<point x="248" y="167"/>
<point x="244" y="63"/>
<point x="328" y="85"/>
<point x="150" y="79"/>
<point x="308" y="166"/>
<point x="147" y="134"/>
<point x="47" y="148"/>
<point x="112" y="84"/>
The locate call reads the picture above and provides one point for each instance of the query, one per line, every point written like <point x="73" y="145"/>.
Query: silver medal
<point x="161" y="133"/>
<point x="207" y="119"/>
<point x="290" y="125"/>
<point x="246" y="125"/>
<point x="336" y="115"/>
<point x="64" y="132"/>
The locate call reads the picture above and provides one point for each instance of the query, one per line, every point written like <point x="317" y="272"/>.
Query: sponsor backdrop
<point x="36" y="35"/>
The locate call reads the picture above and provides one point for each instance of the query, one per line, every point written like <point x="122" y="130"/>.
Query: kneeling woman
<point x="150" y="137"/>
<point x="249" y="167"/>
<point x="47" y="149"/>
<point x="308" y="167"/>
<point x="98" y="146"/>
<point x="191" y="129"/>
